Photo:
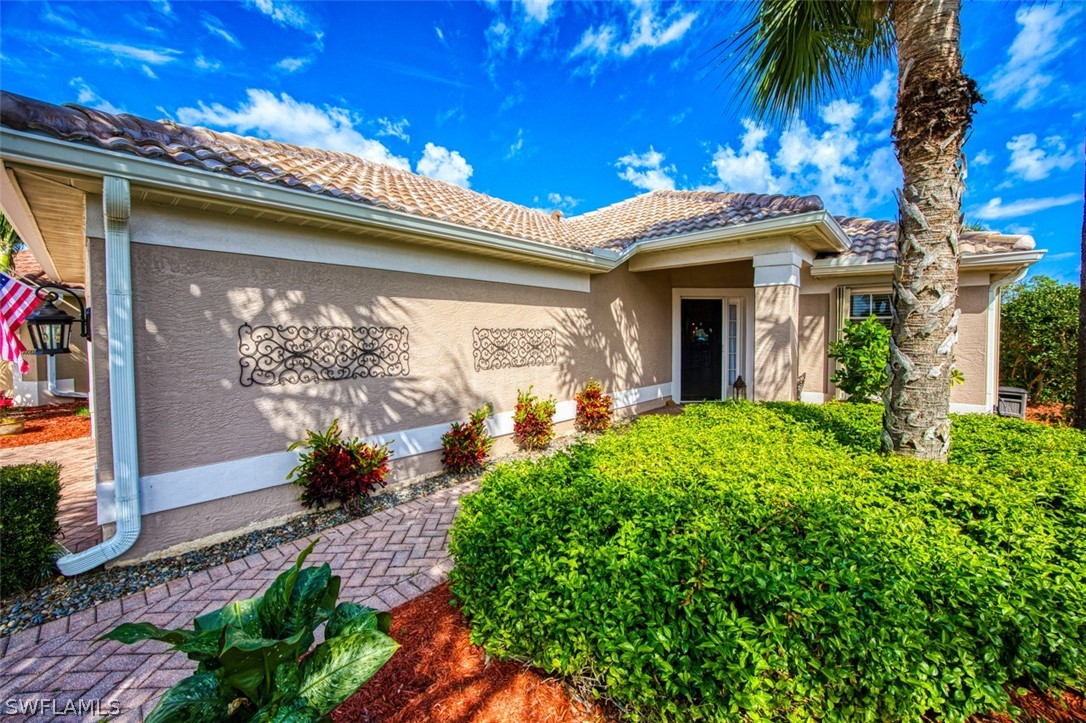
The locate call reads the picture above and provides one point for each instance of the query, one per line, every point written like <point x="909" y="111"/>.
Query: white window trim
<point x="844" y="309"/>
<point x="745" y="297"/>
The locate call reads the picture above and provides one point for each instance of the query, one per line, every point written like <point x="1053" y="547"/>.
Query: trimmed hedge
<point x="741" y="562"/>
<point x="29" y="498"/>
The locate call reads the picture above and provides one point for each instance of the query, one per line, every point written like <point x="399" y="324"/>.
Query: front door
<point x="702" y="331"/>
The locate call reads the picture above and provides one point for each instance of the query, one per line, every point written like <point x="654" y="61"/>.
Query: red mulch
<point x="51" y="423"/>
<point x="438" y="675"/>
<point x="1056" y="415"/>
<point x="1037" y="707"/>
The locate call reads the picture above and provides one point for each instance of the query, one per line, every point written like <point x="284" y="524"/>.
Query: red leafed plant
<point x="334" y="469"/>
<point x="467" y="445"/>
<point x="594" y="408"/>
<point x="533" y="421"/>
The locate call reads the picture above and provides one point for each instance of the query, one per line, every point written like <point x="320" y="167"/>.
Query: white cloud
<point x="440" y="35"/>
<point x="121" y="52"/>
<point x="164" y="7"/>
<point x="444" y="165"/>
<point x="215" y="26"/>
<point x="983" y="158"/>
<point x="538" y="10"/>
<point x="88" y="96"/>
<point x="288" y="15"/>
<point x="148" y="71"/>
<point x="1031" y="162"/>
<point x="1026" y="74"/>
<point x="292" y="65"/>
<point x="558" y="200"/>
<point x="517" y="146"/>
<point x="395" y="129"/>
<point x="645" y="28"/>
<point x="283" y="118"/>
<point x="996" y="209"/>
<point x="655" y="31"/>
<point x="748" y="170"/>
<point x="647" y="170"/>
<point x="885" y="95"/>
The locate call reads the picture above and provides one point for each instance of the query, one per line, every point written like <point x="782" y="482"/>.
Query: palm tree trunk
<point x="934" y="110"/>
<point x="1079" y="414"/>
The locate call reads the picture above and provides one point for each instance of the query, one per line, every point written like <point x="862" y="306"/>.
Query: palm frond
<point x="795" y="54"/>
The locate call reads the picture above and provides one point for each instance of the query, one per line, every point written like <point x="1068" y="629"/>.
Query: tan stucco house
<point x="246" y="290"/>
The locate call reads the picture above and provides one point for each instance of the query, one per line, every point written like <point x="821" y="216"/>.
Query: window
<point x="862" y="304"/>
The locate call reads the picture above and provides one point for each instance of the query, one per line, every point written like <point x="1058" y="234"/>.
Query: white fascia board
<point x="854" y="267"/>
<point x="783" y="226"/>
<point x="39" y="150"/>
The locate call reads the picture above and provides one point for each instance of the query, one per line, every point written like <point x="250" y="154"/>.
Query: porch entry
<point x="709" y="347"/>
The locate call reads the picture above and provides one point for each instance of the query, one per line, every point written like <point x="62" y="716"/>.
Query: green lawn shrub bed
<point x="753" y="562"/>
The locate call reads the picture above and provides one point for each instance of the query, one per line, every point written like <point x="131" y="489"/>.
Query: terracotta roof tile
<point x="27" y="267"/>
<point x="342" y="175"/>
<point x="874" y="241"/>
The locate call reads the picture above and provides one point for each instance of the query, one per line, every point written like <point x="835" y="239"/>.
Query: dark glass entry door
<point x="702" y="326"/>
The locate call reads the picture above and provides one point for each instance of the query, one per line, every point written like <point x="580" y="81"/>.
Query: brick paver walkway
<point x="78" y="507"/>
<point x="384" y="559"/>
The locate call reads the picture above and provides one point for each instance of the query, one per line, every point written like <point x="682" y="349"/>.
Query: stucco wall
<point x="733" y="275"/>
<point x="776" y="342"/>
<point x="971" y="353"/>
<point x="814" y="326"/>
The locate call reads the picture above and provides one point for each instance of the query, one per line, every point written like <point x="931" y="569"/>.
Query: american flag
<point x="17" y="300"/>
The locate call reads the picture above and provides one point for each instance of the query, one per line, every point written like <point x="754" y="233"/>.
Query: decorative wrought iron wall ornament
<point x="509" y="348"/>
<point x="302" y="354"/>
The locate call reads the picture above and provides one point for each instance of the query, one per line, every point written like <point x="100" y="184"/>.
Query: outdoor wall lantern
<point x="50" y="327"/>
<point x="739" y="389"/>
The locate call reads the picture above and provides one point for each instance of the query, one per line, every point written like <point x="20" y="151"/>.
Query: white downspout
<point x="991" y="393"/>
<point x="116" y="205"/>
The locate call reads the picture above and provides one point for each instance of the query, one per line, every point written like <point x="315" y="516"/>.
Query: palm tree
<point x="797" y="54"/>
<point x="9" y="244"/>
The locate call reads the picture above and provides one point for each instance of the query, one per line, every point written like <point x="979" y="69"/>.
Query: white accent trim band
<point x="814" y="397"/>
<point x="180" y="488"/>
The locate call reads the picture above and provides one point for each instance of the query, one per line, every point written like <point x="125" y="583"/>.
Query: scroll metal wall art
<point x="508" y="348"/>
<point x="302" y="354"/>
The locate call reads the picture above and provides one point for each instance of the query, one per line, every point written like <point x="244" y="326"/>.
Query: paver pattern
<point x="78" y="508"/>
<point x="384" y="559"/>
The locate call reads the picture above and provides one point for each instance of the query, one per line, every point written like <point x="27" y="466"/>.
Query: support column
<point x="776" y="326"/>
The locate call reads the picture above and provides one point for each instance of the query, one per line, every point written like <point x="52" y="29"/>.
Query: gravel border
<point x="65" y="596"/>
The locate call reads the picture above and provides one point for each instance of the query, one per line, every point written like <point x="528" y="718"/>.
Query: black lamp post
<point x="739" y="389"/>
<point x="50" y="327"/>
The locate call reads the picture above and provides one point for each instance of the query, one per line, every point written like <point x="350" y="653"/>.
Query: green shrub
<point x="863" y="353"/>
<point x="247" y="653"/>
<point x="533" y="420"/>
<point x="29" y="497"/>
<point x="466" y="446"/>
<point x="334" y="469"/>
<point x="739" y="562"/>
<point x="1039" y="337"/>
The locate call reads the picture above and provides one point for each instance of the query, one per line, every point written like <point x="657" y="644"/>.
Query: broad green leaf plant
<point x="248" y="653"/>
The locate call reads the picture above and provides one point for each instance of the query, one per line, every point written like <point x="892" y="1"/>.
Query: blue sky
<point x="564" y="104"/>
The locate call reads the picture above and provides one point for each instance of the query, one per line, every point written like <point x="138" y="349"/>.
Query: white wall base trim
<point x="958" y="408"/>
<point x="814" y="397"/>
<point x="180" y="488"/>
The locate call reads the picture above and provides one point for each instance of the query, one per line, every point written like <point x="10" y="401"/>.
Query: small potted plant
<point x="11" y="416"/>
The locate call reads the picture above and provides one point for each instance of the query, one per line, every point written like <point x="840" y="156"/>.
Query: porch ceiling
<point x="49" y="214"/>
